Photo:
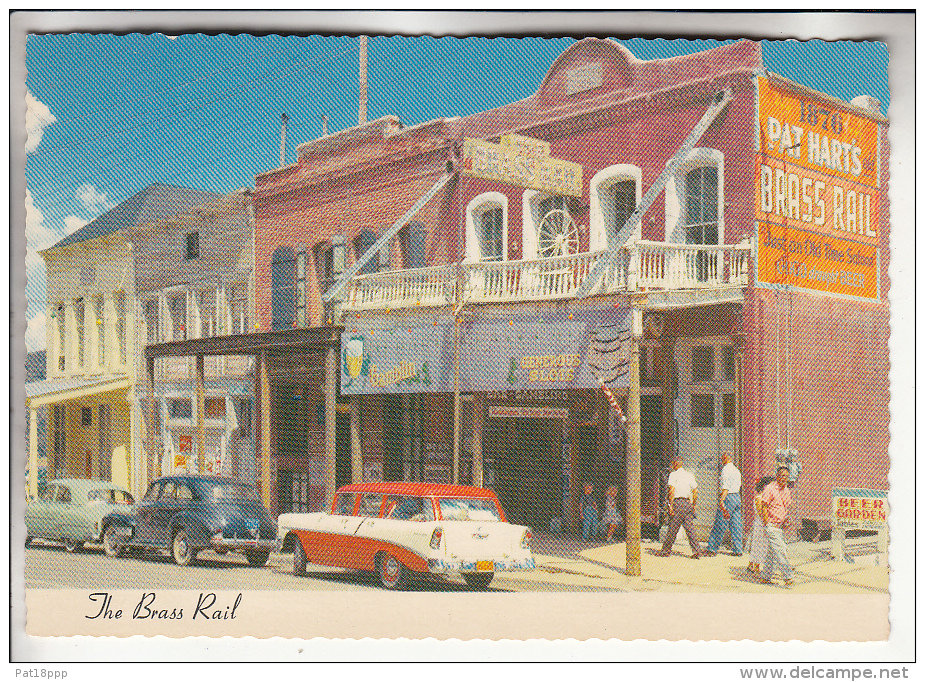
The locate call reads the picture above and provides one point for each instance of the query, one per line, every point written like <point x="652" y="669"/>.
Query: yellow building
<point x="91" y="344"/>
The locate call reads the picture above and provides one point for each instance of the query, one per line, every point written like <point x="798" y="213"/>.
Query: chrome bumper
<point x="232" y="544"/>
<point x="469" y="565"/>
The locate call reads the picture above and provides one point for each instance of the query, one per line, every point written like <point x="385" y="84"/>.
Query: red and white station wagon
<point x="407" y="530"/>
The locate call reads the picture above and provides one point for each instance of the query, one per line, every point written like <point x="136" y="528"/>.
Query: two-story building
<point x="91" y="342"/>
<point x="484" y="269"/>
<point x="194" y="280"/>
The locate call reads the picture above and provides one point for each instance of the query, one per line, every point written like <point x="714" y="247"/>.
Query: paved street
<point x="48" y="566"/>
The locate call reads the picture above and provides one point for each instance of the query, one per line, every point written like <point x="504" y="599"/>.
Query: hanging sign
<point x="521" y="161"/>
<point x="527" y="412"/>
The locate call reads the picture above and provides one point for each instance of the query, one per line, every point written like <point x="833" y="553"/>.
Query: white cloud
<point x="72" y="223"/>
<point x="38" y="235"/>
<point x="93" y="200"/>
<point x="35" y="332"/>
<point x="38" y="117"/>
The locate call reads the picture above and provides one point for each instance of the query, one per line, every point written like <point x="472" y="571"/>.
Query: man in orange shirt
<point x="775" y="501"/>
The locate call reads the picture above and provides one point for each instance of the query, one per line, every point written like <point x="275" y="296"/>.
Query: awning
<point x="39" y="393"/>
<point x="559" y="349"/>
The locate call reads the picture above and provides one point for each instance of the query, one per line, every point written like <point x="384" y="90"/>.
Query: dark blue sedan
<point x="186" y="514"/>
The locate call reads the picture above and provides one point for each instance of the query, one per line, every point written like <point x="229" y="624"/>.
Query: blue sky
<point x="108" y="115"/>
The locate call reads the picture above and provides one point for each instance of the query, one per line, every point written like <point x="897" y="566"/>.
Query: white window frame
<point x="700" y="157"/>
<point x="474" y="210"/>
<point x="598" y="187"/>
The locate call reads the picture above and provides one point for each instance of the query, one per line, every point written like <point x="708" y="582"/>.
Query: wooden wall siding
<point x="224" y="251"/>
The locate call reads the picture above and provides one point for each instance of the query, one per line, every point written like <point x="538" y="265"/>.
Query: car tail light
<point x="525" y="539"/>
<point x="435" y="538"/>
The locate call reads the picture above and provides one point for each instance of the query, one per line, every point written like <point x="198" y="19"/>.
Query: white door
<point x="705" y="413"/>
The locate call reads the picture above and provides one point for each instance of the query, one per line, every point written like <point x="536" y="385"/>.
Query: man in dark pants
<point x="682" y="505"/>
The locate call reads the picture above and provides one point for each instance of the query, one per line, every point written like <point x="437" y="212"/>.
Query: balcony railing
<point x="689" y="266"/>
<point x="638" y="265"/>
<point x="434" y="286"/>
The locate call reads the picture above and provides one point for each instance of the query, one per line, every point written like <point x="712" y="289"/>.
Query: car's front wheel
<point x="73" y="546"/>
<point x="299" y="560"/>
<point x="392" y="573"/>
<point x="111" y="544"/>
<point x="183" y="553"/>
<point x="257" y="558"/>
<point x="478" y="581"/>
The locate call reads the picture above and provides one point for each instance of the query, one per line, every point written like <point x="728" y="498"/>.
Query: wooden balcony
<point x="652" y="266"/>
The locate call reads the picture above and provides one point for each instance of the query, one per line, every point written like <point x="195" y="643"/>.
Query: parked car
<point x="187" y="514"/>
<point x="405" y="531"/>
<point x="72" y="511"/>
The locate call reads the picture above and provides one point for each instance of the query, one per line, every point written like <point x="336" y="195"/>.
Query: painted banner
<point x="396" y="358"/>
<point x="540" y="351"/>
<point x="817" y="198"/>
<point x="860" y="508"/>
<point x="521" y="161"/>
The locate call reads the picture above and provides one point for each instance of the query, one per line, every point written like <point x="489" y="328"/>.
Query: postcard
<point x="335" y="333"/>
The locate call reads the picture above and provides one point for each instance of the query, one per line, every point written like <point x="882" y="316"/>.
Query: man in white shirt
<point x="682" y="505"/>
<point x="729" y="511"/>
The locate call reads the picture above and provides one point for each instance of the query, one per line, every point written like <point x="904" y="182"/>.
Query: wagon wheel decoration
<point x="558" y="235"/>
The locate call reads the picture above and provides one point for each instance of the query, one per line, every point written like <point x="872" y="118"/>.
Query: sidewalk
<point x="814" y="571"/>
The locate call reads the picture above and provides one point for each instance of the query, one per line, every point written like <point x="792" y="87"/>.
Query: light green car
<point x="71" y="510"/>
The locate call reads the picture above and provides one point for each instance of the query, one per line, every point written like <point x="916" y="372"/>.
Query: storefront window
<point x="702" y="411"/>
<point x="701" y="363"/>
<point x="729" y="410"/>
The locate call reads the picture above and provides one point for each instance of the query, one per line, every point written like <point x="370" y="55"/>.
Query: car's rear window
<point x="468" y="509"/>
<point x="343" y="506"/>
<point x="230" y="492"/>
<point x="408" y="508"/>
<point x="110" y="496"/>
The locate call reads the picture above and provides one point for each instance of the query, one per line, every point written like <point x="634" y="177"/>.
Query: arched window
<point x="694" y="200"/>
<point x="614" y="195"/>
<point x="282" y="275"/>
<point x="361" y="245"/>
<point x="549" y="229"/>
<point x="413" y="239"/>
<point x="486" y="228"/>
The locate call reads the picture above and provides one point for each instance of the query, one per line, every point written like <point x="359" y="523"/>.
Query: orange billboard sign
<point x="817" y="134"/>
<point x="809" y="260"/>
<point x="817" y="194"/>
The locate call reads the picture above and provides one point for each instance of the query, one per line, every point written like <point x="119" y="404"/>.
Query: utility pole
<point x="282" y="141"/>
<point x="362" y="80"/>
<point x="633" y="454"/>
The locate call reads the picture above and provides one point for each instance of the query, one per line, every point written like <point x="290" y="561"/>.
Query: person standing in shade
<point x="588" y="505"/>
<point x="775" y="500"/>
<point x="682" y="507"/>
<point x="611" y="514"/>
<point x="729" y="511"/>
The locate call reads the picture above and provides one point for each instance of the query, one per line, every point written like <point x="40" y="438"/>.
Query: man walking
<point x="729" y="511"/>
<point x="682" y="503"/>
<point x="775" y="500"/>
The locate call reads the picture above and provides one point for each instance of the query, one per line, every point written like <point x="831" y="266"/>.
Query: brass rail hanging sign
<point x="521" y="161"/>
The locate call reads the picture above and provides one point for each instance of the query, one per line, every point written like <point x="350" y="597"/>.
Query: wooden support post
<point x="356" y="445"/>
<point x="200" y="413"/>
<point x="330" y="424"/>
<point x="263" y="407"/>
<point x="151" y="429"/>
<point x="633" y="456"/>
<point x="478" y="474"/>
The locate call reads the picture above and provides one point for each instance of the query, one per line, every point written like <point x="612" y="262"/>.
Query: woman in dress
<point x="758" y="538"/>
<point x="611" y="514"/>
